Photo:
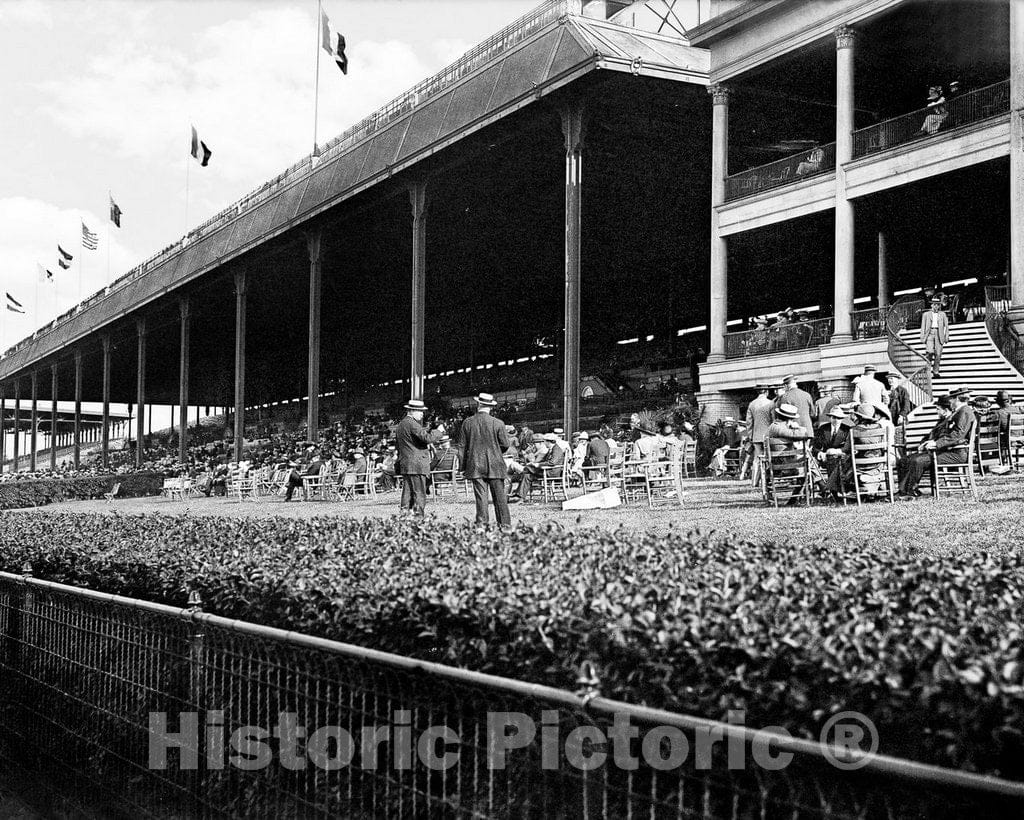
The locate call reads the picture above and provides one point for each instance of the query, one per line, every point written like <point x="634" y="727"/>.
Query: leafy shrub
<point x="930" y="647"/>
<point x="19" y="494"/>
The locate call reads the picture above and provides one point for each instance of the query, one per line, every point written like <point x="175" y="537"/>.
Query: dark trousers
<point x="294" y="482"/>
<point x="497" y="489"/>
<point x="913" y="467"/>
<point x="414" y="493"/>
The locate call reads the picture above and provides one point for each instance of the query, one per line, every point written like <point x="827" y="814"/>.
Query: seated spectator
<point x="553" y="458"/>
<point x="812" y="164"/>
<point x="444" y="458"/>
<point x="936" y="115"/>
<point x="597" y="452"/>
<point x="948" y="440"/>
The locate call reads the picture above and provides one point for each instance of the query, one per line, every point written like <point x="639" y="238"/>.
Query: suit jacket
<point x="900" y="404"/>
<point x="953" y="433"/>
<point x="930" y="319"/>
<point x="597" y="452"/>
<point x="759" y="418"/>
<point x="825" y="439"/>
<point x="413" y="439"/>
<point x="804" y="404"/>
<point x="482" y="443"/>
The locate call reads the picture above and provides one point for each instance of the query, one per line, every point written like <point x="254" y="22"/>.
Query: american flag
<point x="89" y="239"/>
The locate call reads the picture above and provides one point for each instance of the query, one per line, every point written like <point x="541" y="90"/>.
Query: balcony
<point x="868" y="323"/>
<point x="806" y="164"/>
<point x="974" y="106"/>
<point x="778" y="338"/>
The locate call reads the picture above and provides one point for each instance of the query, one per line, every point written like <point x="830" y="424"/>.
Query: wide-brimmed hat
<point x="415" y="404"/>
<point x="584" y="434"/>
<point x="789" y="378"/>
<point x="882" y="410"/>
<point x="486" y="400"/>
<point x="936" y="300"/>
<point x="762" y="388"/>
<point x="982" y="402"/>
<point x="786" y="411"/>
<point x="510" y="428"/>
<point x="550" y="437"/>
<point x="865" y="411"/>
<point x="558" y="431"/>
<point x="837" y="413"/>
<point x="961" y="392"/>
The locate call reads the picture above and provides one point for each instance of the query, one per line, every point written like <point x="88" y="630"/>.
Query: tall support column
<point x="17" y="424"/>
<point x="184" y="308"/>
<point x="241" y="288"/>
<point x="418" y="200"/>
<point x="33" y="431"/>
<point x="572" y="129"/>
<point x="314" y="244"/>
<point x="77" y="442"/>
<point x="105" y="426"/>
<point x="844" y="256"/>
<point x="719" y="248"/>
<point x="53" y="417"/>
<point x="140" y="392"/>
<point x="883" y="269"/>
<point x="1016" y="273"/>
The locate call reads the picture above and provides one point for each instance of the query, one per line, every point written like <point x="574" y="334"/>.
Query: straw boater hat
<point x="584" y="434"/>
<point x="486" y="400"/>
<point x="558" y="431"/>
<point x="870" y="368"/>
<point x="786" y="411"/>
<point x="837" y="413"/>
<point x="550" y="437"/>
<point x="865" y="412"/>
<point x="415" y="404"/>
<point x="936" y="300"/>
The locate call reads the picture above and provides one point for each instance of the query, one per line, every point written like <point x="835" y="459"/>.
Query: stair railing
<point x="1004" y="335"/>
<point x="905" y="314"/>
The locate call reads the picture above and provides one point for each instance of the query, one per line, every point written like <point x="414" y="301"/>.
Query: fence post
<point x="19" y="603"/>
<point x="195" y="696"/>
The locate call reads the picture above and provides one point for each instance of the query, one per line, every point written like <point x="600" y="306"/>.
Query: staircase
<point x="970" y="359"/>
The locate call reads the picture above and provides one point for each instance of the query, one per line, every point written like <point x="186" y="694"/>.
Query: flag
<point x="199" y="149"/>
<point x="115" y="212"/>
<point x="45" y="276"/>
<point x="63" y="264"/>
<point x="89" y="239"/>
<point x="13" y="304"/>
<point x="328" y="42"/>
<point x="67" y="256"/>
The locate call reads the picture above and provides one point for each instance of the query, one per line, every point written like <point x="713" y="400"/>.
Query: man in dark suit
<point x="948" y="439"/>
<point x="312" y="468"/>
<point x="555" y="457"/>
<point x="413" y="439"/>
<point x="482" y="444"/>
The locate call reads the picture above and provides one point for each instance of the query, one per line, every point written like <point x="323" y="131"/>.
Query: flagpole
<point x="188" y="166"/>
<point x="110" y="233"/>
<point x="81" y="259"/>
<point x="316" y="81"/>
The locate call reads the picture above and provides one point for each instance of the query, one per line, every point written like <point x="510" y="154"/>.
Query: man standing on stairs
<point x="934" y="334"/>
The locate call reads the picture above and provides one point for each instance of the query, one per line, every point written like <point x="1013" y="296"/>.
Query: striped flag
<point x="199" y="149"/>
<point x="67" y="256"/>
<point x="45" y="275"/>
<point x="89" y="239"/>
<point x="334" y="47"/>
<point x="115" y="212"/>
<point x="63" y="264"/>
<point x="13" y="304"/>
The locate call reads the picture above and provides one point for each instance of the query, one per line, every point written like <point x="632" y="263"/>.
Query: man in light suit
<point x="800" y="399"/>
<point x="413" y="439"/>
<point x="483" y="441"/>
<point x="760" y="413"/>
<point x="934" y="334"/>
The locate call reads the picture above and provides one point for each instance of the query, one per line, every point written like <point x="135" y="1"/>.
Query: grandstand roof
<point x="538" y="54"/>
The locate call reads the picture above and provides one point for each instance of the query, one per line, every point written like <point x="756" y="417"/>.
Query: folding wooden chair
<point x="665" y="479"/>
<point x="448" y="481"/>
<point x="956" y="479"/>
<point x="313" y="486"/>
<point x="114" y="491"/>
<point x="872" y="469"/>
<point x="689" y="464"/>
<point x="1014" y="441"/>
<point x="787" y="472"/>
<point x="554" y="480"/>
<point x="986" y="444"/>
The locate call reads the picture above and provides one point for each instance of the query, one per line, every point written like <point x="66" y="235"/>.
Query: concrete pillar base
<point x="716" y="405"/>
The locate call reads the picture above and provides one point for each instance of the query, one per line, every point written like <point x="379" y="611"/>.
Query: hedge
<point x="930" y="647"/>
<point x="36" y="493"/>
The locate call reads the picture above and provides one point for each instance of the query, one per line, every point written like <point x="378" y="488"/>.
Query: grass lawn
<point x="995" y="522"/>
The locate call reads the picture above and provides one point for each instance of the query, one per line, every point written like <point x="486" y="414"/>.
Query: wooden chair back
<point x="956" y="479"/>
<point x="872" y="469"/>
<point x="787" y="471"/>
<point x="986" y="444"/>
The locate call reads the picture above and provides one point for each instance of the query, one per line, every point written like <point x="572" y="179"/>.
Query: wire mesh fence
<point x="119" y="708"/>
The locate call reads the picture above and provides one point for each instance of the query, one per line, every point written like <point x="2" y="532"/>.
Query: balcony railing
<point x="806" y="164"/>
<point x="778" y="338"/>
<point x="1001" y="329"/>
<point x="974" y="106"/>
<point x="868" y="323"/>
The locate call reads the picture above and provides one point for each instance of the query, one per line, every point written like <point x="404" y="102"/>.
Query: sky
<point x="99" y="97"/>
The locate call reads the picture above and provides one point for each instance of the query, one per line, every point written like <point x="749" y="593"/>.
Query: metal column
<point x="572" y="129"/>
<point x="241" y="286"/>
<point x="315" y="247"/>
<point x="418" y="201"/>
<point x="184" y="308"/>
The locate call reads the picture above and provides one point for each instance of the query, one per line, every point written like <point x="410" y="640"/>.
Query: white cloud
<point x="32" y="231"/>
<point x="25" y="13"/>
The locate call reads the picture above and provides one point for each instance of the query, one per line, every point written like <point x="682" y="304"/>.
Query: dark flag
<point x="199" y="149"/>
<point x="89" y="239"/>
<point x="13" y="304"/>
<point x="63" y="264"/>
<point x="328" y="43"/>
<point x="115" y="212"/>
<point x="67" y="256"/>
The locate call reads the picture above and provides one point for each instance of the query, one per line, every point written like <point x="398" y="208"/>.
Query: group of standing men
<point x="481" y="445"/>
